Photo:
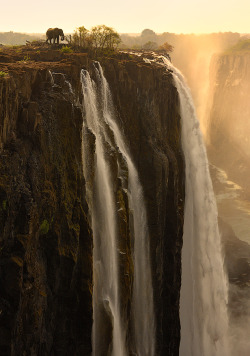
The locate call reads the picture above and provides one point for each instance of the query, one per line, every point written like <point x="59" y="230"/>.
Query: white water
<point x="204" y="291"/>
<point x="106" y="297"/>
<point x="99" y="115"/>
<point x="144" y="323"/>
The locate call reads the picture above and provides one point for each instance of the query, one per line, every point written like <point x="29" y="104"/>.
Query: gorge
<point x="228" y="150"/>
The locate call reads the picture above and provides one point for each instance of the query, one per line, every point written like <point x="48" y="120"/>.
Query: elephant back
<point x="50" y="31"/>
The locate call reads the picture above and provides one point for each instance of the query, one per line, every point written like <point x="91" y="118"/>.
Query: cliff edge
<point x="45" y="232"/>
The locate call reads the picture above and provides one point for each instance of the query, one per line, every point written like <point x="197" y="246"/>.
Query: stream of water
<point x="204" y="290"/>
<point x="99" y="119"/>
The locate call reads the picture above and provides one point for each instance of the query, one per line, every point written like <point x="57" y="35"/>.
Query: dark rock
<point x="46" y="237"/>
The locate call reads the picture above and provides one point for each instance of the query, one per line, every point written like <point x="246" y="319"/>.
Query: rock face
<point x="145" y="100"/>
<point x="46" y="240"/>
<point x="228" y="115"/>
<point x="45" y="231"/>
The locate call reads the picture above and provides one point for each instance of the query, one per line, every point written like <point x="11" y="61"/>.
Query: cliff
<point x="45" y="230"/>
<point x="228" y="115"/>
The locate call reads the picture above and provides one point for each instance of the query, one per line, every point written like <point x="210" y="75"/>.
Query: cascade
<point x="99" y="119"/>
<point x="102" y="205"/>
<point x="204" y="291"/>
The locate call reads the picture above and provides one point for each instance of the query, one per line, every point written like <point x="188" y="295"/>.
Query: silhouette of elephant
<point x="54" y="33"/>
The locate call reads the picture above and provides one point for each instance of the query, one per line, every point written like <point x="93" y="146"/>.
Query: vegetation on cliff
<point x="98" y="39"/>
<point x="241" y="47"/>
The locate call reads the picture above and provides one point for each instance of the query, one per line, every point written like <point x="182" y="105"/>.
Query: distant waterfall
<point x="100" y="120"/>
<point x="203" y="305"/>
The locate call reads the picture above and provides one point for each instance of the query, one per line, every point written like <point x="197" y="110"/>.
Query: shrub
<point x="3" y="74"/>
<point x="166" y="47"/>
<point x="44" y="227"/>
<point x="26" y="59"/>
<point x="66" y="49"/>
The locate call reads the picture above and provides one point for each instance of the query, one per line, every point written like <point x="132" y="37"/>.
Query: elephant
<point x="54" y="33"/>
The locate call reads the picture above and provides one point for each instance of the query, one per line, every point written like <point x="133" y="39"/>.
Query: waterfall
<point x="204" y="291"/>
<point x="106" y="298"/>
<point x="99" y="119"/>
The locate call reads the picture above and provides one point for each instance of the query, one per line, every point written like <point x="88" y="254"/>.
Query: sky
<point x="127" y="16"/>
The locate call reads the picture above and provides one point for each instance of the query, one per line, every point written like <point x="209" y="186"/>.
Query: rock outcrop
<point x="228" y="115"/>
<point x="45" y="232"/>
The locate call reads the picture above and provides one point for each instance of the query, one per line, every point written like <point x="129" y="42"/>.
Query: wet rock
<point x="45" y="232"/>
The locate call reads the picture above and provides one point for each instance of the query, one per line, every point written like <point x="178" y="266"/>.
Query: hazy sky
<point x="127" y="16"/>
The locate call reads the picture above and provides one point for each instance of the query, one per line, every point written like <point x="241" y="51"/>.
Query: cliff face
<point x="228" y="115"/>
<point x="45" y="229"/>
<point x="147" y="104"/>
<point x="46" y="240"/>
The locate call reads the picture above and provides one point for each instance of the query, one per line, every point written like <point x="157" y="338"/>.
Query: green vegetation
<point x="3" y="74"/>
<point x="166" y="47"/>
<point x="100" y="39"/>
<point x="150" y="45"/>
<point x="44" y="227"/>
<point x="26" y="59"/>
<point x="241" y="46"/>
<point x="153" y="46"/>
<point x="4" y="204"/>
<point x="104" y="37"/>
<point x="185" y="44"/>
<point x="66" y="49"/>
<point x="81" y="37"/>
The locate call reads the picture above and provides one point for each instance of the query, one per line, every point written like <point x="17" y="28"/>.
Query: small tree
<point x="150" y="46"/>
<point x="166" y="47"/>
<point x="104" y="37"/>
<point x="80" y="37"/>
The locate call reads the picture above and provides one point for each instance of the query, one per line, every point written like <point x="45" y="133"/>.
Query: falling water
<point x="106" y="299"/>
<point x="143" y="318"/>
<point x="99" y="116"/>
<point x="203" y="305"/>
<point x="51" y="77"/>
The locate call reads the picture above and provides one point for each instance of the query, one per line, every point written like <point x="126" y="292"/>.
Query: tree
<point x="104" y="37"/>
<point x="147" y="32"/>
<point x="166" y="47"/>
<point x="80" y="37"/>
<point x="150" y="45"/>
